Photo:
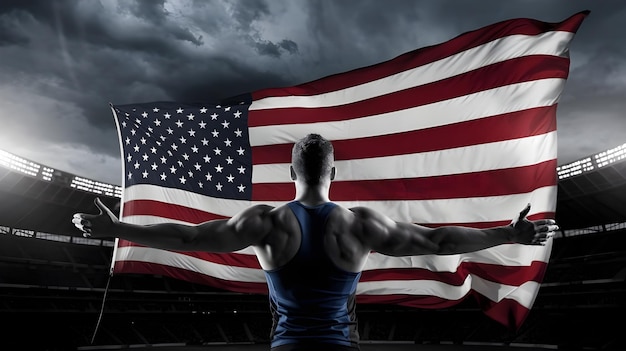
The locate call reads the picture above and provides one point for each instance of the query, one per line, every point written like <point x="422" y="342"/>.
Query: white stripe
<point x="504" y="255"/>
<point x="550" y="43"/>
<point x="523" y="294"/>
<point x="483" y="209"/>
<point x="173" y="259"/>
<point x="476" y="158"/>
<point x="492" y="102"/>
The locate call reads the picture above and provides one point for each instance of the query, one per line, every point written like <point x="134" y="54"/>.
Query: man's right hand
<point x="97" y="225"/>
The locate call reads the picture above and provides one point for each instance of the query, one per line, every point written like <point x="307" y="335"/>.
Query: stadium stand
<point x="56" y="292"/>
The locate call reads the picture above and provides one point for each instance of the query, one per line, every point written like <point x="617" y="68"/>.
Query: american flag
<point x="460" y="133"/>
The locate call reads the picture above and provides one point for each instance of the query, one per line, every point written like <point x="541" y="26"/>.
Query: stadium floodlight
<point x="18" y="164"/>
<point x="588" y="164"/>
<point x="613" y="155"/>
<point x="24" y="166"/>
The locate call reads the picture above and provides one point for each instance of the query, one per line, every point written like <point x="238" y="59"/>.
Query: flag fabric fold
<point x="459" y="133"/>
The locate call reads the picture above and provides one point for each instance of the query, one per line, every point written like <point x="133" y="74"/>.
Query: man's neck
<point x="312" y="195"/>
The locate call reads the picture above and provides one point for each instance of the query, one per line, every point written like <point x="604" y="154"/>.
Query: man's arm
<point x="248" y="227"/>
<point x="381" y="234"/>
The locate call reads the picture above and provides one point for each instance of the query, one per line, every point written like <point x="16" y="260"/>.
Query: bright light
<point x="589" y="164"/>
<point x="18" y="164"/>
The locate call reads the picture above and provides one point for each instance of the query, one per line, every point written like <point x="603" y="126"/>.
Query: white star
<point x="145" y="156"/>
<point x="217" y="151"/>
<point x="179" y="123"/>
<point x="229" y="160"/>
<point x="192" y="132"/>
<point x="207" y="159"/>
<point x="153" y="150"/>
<point x="163" y="159"/>
<point x="182" y="180"/>
<point x="128" y="158"/>
<point x="167" y="115"/>
<point x="155" y="110"/>
<point x="137" y="165"/>
<point x="186" y="157"/>
<point x="205" y="142"/>
<point x="219" y="168"/>
<point x="175" y="147"/>
<point x="163" y="176"/>
<point x="238" y="133"/>
<point x="130" y="175"/>
<point x="228" y="142"/>
<point x="214" y="116"/>
<point x="197" y="166"/>
<point x="157" y="122"/>
<point x="215" y="133"/>
<point x="240" y="151"/>
<point x="124" y="124"/>
<point x="241" y="169"/>
<point x="208" y="176"/>
<point x="145" y="174"/>
<point x="190" y="174"/>
<point x="172" y="170"/>
<point x="133" y="132"/>
<point x="200" y="185"/>
<point x="169" y="130"/>
<point x="127" y="141"/>
<point x="143" y="141"/>
<point x="144" y="114"/>
<point x="230" y="178"/>
<point x="194" y="149"/>
<point x="227" y="108"/>
<point x="241" y="188"/>
<point x="136" y="148"/>
<point x="202" y="124"/>
<point x="203" y="110"/>
<point x="225" y="124"/>
<point x="180" y="163"/>
<point x="154" y="166"/>
<point x="180" y="110"/>
<point x="190" y="116"/>
<point x="219" y="186"/>
<point x="237" y="114"/>
<point x="182" y="140"/>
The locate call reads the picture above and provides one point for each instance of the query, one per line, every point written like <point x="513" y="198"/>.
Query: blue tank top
<point x="312" y="300"/>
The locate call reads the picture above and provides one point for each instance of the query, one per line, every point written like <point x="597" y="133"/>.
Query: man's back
<point x="311" y="299"/>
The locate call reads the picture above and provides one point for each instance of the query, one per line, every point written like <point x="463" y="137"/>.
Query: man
<point x="312" y="251"/>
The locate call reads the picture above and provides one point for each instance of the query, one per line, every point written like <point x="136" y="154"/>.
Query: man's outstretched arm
<point x="247" y="228"/>
<point x="386" y="236"/>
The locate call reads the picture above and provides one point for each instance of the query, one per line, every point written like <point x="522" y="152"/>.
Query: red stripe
<point x="226" y="259"/>
<point x="498" y="182"/>
<point x="425" y="55"/>
<point x="514" y="125"/>
<point x="496" y="75"/>
<point x="167" y="210"/>
<point x="483" y="225"/>
<point x="137" y="267"/>
<point x="508" y="275"/>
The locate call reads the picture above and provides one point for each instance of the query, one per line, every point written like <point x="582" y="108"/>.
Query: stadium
<point x="58" y="294"/>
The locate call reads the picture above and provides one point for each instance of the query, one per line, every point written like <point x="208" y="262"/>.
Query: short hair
<point x="312" y="158"/>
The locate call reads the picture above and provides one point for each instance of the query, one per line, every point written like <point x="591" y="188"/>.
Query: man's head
<point x="312" y="159"/>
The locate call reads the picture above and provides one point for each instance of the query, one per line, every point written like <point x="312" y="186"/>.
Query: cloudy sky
<point x="62" y="62"/>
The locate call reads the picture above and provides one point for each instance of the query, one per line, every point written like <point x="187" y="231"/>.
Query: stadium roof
<point x="591" y="192"/>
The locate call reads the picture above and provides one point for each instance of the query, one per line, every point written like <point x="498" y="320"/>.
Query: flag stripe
<point x="498" y="101"/>
<point x="485" y="78"/>
<point x="512" y="125"/>
<point x="354" y="85"/>
<point x="538" y="149"/>
<point x="488" y="183"/>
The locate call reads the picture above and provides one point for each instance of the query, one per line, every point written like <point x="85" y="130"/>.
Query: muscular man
<point x="311" y="250"/>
